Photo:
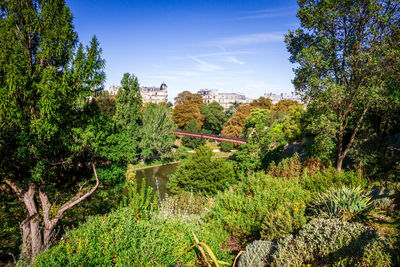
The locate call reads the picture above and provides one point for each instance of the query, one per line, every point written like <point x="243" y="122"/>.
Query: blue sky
<point x="233" y="46"/>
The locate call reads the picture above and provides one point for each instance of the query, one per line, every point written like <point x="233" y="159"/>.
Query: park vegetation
<point x="317" y="183"/>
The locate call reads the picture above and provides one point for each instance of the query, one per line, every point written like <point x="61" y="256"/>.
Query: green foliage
<point x="123" y="144"/>
<point x="214" y="117"/>
<point x="247" y="158"/>
<point x="121" y="239"/>
<point x="256" y="203"/>
<point x="141" y="201"/>
<point x="318" y="180"/>
<point x="192" y="142"/>
<point x="345" y="53"/>
<point x="256" y="123"/>
<point x="332" y="241"/>
<point x="346" y="203"/>
<point x="156" y="132"/>
<point x="202" y="173"/>
<point x="226" y="146"/>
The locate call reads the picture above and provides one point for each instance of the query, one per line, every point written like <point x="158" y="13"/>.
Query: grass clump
<point x="346" y="203"/>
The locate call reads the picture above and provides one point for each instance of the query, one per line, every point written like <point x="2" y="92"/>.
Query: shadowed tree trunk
<point x="33" y="238"/>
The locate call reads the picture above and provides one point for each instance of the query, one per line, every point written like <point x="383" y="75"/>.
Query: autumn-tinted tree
<point x="232" y="109"/>
<point x="262" y="102"/>
<point x="45" y="86"/>
<point x="214" y="117"/>
<point x="235" y="125"/>
<point x="283" y="105"/>
<point x="156" y="132"/>
<point x="187" y="107"/>
<point x="344" y="50"/>
<point x="106" y="103"/>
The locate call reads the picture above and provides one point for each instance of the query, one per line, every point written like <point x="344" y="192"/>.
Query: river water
<point x="157" y="177"/>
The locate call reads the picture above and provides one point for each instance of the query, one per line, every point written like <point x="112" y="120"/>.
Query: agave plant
<point x="347" y="203"/>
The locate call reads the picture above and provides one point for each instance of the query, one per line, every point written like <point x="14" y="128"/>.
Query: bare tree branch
<point x="77" y="200"/>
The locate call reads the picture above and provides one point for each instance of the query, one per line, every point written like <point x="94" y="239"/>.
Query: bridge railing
<point x="222" y="138"/>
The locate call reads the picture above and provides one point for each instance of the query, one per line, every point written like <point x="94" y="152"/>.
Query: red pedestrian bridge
<point x="220" y="138"/>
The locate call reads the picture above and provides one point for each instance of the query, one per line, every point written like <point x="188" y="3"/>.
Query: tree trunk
<point x="339" y="163"/>
<point x="33" y="240"/>
<point x="34" y="222"/>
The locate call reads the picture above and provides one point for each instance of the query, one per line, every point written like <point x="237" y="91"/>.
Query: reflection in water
<point x="157" y="177"/>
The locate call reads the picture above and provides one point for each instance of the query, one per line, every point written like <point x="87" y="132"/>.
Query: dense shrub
<point x="321" y="180"/>
<point x="135" y="235"/>
<point x="256" y="204"/>
<point x="346" y="203"/>
<point x="185" y="205"/>
<point x="333" y="242"/>
<point x="120" y="239"/>
<point x="256" y="254"/>
<point x="202" y="173"/>
<point x="226" y="146"/>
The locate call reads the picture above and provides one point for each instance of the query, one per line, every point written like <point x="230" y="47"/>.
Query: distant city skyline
<point x="233" y="46"/>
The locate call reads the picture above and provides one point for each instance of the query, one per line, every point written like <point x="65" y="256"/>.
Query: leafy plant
<point x="226" y="146"/>
<point x="255" y="204"/>
<point x="347" y="203"/>
<point x="142" y="202"/>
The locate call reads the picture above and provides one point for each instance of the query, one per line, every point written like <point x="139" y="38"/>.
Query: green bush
<point x="321" y="179"/>
<point x="226" y="146"/>
<point x="202" y="173"/>
<point x="122" y="240"/>
<point x="256" y="204"/>
<point x="346" y="203"/>
<point x="333" y="242"/>
<point x="256" y="254"/>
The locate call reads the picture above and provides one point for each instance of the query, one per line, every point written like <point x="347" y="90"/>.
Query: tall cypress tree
<point x="44" y="87"/>
<point x="123" y="145"/>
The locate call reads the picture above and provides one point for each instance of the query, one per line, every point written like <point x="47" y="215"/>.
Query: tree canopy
<point x="156" y="132"/>
<point x="214" y="117"/>
<point x="46" y="80"/>
<point x="344" y="50"/>
<point x="202" y="173"/>
<point x="187" y="107"/>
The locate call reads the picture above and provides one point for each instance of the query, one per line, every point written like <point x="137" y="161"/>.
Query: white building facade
<point x="283" y="96"/>
<point x="226" y="100"/>
<point x="154" y="94"/>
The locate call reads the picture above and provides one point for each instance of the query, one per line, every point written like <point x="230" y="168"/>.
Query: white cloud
<point x="269" y="13"/>
<point x="247" y="39"/>
<point x="233" y="59"/>
<point x="205" y="66"/>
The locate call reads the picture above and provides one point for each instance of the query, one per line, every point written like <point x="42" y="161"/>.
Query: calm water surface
<point x="157" y="177"/>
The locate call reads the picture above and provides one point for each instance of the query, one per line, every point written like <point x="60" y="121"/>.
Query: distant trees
<point x="235" y="125"/>
<point x="192" y="142"/>
<point x="187" y="107"/>
<point x="214" y="117"/>
<point x="156" y="133"/>
<point x="123" y="144"/>
<point x="344" y="51"/>
<point x="283" y="105"/>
